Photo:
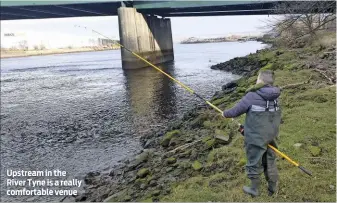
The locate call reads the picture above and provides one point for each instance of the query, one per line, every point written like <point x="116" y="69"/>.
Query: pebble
<point x="298" y="145"/>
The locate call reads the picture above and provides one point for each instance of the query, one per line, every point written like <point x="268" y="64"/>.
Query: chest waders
<point x="261" y="129"/>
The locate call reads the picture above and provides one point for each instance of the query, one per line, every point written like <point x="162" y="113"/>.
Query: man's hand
<point x="223" y="114"/>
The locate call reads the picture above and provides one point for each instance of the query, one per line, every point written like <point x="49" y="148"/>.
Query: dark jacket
<point x="257" y="98"/>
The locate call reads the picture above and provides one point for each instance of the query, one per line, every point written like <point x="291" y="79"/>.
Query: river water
<point x="81" y="112"/>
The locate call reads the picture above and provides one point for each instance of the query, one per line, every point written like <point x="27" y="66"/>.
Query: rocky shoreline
<point x="201" y="156"/>
<point x="194" y="40"/>
<point x="176" y="153"/>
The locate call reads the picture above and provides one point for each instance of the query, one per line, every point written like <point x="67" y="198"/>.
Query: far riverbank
<point x="22" y="53"/>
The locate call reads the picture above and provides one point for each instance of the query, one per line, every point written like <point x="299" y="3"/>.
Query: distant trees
<point x="316" y="16"/>
<point x="42" y="47"/>
<point x="23" y="45"/>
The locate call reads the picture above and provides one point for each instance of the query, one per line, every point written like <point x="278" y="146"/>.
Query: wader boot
<point x="253" y="190"/>
<point x="271" y="188"/>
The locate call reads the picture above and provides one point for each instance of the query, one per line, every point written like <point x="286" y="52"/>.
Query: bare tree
<point x="42" y="46"/>
<point x="23" y="45"/>
<point x="303" y="18"/>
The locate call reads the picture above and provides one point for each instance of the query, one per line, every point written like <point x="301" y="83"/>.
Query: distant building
<point x="106" y="42"/>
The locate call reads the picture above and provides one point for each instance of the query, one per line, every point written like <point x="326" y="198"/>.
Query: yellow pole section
<point x="283" y="155"/>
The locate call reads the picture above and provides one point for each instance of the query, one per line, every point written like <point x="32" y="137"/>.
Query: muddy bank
<point x="176" y="152"/>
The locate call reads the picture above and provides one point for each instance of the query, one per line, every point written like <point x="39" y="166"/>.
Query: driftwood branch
<point x="321" y="158"/>
<point x="183" y="146"/>
<point x="331" y="80"/>
<point x="296" y="84"/>
<point x="293" y="85"/>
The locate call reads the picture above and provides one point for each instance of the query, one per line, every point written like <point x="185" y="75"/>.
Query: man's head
<point x="265" y="77"/>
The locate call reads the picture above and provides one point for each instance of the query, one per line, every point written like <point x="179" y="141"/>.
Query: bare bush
<point x="302" y="20"/>
<point x="42" y="47"/>
<point x="23" y="45"/>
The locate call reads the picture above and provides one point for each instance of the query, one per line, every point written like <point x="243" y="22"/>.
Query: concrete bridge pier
<point x="148" y="36"/>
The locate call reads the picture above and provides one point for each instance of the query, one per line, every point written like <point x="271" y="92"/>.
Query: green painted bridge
<point x="15" y="10"/>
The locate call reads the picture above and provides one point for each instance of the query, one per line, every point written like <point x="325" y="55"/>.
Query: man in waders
<point x="263" y="117"/>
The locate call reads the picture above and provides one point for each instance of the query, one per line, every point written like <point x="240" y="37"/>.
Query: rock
<point x="121" y="196"/>
<point x="207" y="124"/>
<point x="89" y="178"/>
<point x="143" y="157"/>
<point x="194" y="154"/>
<point x="239" y="65"/>
<point x="314" y="150"/>
<point x="297" y="145"/>
<point x="332" y="187"/>
<point x="140" y="181"/>
<point x="126" y="198"/>
<point x="142" y="186"/>
<point x="227" y="91"/>
<point x="153" y="183"/>
<point x="175" y="165"/>
<point x="168" y="136"/>
<point x="247" y="68"/>
<point x="111" y="173"/>
<point x="197" y="165"/>
<point x="221" y="139"/>
<point x="175" y="125"/>
<point x="177" y="172"/>
<point x="169" y="169"/>
<point x="149" y="143"/>
<point x="229" y="85"/>
<point x="184" y="165"/>
<point x="205" y="139"/>
<point x="119" y="172"/>
<point x="171" y="160"/>
<point x="279" y="53"/>
<point x="133" y="165"/>
<point x="242" y="161"/>
<point x="173" y="142"/>
<point x="185" y="153"/>
<point x="81" y="198"/>
<point x="156" y="193"/>
<point x="210" y="143"/>
<point x="142" y="173"/>
<point x="197" y="122"/>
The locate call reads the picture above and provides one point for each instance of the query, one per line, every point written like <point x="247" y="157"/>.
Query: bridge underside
<point x="13" y="10"/>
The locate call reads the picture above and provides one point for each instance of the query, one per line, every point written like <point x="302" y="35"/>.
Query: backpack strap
<point x="276" y="105"/>
<point x="267" y="106"/>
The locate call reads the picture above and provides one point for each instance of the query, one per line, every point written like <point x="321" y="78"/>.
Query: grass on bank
<point x="309" y="118"/>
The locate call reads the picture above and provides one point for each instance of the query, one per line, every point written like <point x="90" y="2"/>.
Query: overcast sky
<point x="61" y="32"/>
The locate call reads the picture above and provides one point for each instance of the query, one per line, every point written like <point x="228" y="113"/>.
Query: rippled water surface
<point x="81" y="112"/>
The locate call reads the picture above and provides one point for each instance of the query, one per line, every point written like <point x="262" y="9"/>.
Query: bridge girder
<point x="15" y="10"/>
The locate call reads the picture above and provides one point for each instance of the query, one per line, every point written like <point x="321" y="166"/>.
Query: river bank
<point x="201" y="158"/>
<point x="194" y="40"/>
<point x="21" y="53"/>
<point x="86" y="112"/>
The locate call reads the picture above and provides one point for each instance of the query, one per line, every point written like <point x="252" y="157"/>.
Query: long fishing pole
<point x="200" y="97"/>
